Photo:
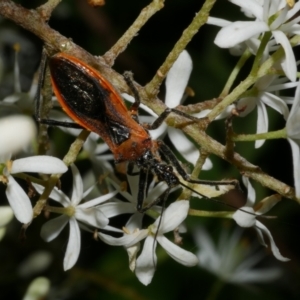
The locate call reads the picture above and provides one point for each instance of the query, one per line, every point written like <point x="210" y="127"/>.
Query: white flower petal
<point x="155" y="192"/>
<point x="296" y="165"/>
<point x="135" y="221"/>
<point x="98" y="200"/>
<point x="288" y="64"/>
<point x="274" y="248"/>
<point x="251" y="192"/>
<point x="262" y="122"/>
<point x="19" y="201"/>
<point x="281" y="84"/>
<point x="114" y="241"/>
<point x="173" y="216"/>
<point x="92" y="216"/>
<point x="40" y="164"/>
<point x="115" y="209"/>
<point x="132" y="254"/>
<point x="145" y="264"/>
<point x="77" y="189"/>
<point x="183" y="145"/>
<point x="251" y="6"/>
<point x="51" y="229"/>
<point x="177" y="79"/>
<point x="293" y="10"/>
<point x="276" y="103"/>
<point x="207" y="253"/>
<point x="56" y="194"/>
<point x="182" y="256"/>
<point x="159" y="132"/>
<point x="261" y="238"/>
<point x="267" y="204"/>
<point x="73" y="248"/>
<point x="108" y="228"/>
<point x="217" y="21"/>
<point x="136" y="237"/>
<point x="257" y="276"/>
<point x="38" y="289"/>
<point x="16" y="133"/>
<point x="280" y="18"/>
<point x="238" y="32"/>
<point x="245" y="216"/>
<point x="293" y="124"/>
<point x="232" y="260"/>
<point x="246" y="105"/>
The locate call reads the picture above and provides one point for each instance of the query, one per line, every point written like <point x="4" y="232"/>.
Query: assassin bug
<point x="94" y="104"/>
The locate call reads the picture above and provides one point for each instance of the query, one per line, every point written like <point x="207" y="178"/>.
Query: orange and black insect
<point x="94" y="104"/>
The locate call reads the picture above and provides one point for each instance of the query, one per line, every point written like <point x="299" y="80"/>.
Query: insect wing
<point x="91" y="101"/>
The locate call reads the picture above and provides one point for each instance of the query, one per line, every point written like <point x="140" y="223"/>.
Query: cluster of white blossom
<point x="272" y="19"/>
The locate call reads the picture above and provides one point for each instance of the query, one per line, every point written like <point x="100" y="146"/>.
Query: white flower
<point x="17" y="198"/>
<point x="16" y="132"/>
<point x="293" y="134"/>
<point x="145" y="265"/>
<point x="231" y="260"/>
<point x="246" y="217"/>
<point x="265" y="88"/>
<point x="120" y="207"/>
<point x="270" y="15"/>
<point x="112" y="209"/>
<point x="89" y="213"/>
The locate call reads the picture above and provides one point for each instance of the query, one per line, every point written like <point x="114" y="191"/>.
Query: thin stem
<point x="260" y="136"/>
<point x="186" y="193"/>
<point x="69" y="158"/>
<point x="211" y="214"/>
<point x="56" y="210"/>
<point x="233" y="96"/>
<point x="75" y="148"/>
<point x="30" y="178"/>
<point x="260" y="53"/>
<point x="235" y="72"/>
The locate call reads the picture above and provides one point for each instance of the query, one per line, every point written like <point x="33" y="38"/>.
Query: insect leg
<point x="163" y="197"/>
<point x="169" y="156"/>
<point x="128" y="76"/>
<point x="160" y="119"/>
<point x="130" y="168"/>
<point x="143" y="184"/>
